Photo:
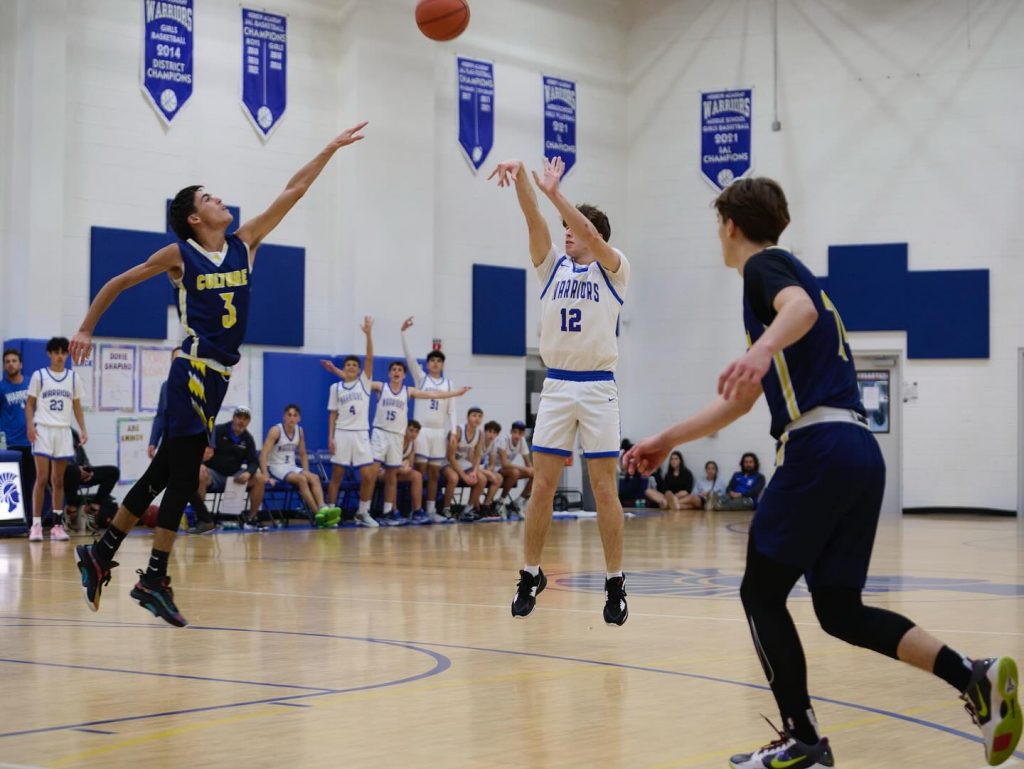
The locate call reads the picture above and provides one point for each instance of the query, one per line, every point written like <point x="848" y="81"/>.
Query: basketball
<point x="442" y="19"/>
<point x="148" y="518"/>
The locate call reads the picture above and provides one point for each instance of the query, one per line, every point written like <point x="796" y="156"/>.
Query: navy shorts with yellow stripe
<point x="820" y="511"/>
<point x="195" y="392"/>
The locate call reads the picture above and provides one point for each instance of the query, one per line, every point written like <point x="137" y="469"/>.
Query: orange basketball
<point x="149" y="517"/>
<point x="442" y="19"/>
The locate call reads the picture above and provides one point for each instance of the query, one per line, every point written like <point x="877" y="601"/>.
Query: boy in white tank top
<point x="581" y="292"/>
<point x="54" y="394"/>
<point x="464" y="465"/>
<point x="284" y="459"/>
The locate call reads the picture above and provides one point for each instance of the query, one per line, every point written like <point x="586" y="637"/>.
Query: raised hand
<point x="350" y="136"/>
<point x="367" y="326"/>
<point x="80" y="347"/>
<point x="507" y="172"/>
<point x="462" y="390"/>
<point x="553" y="170"/>
<point x="407" y="323"/>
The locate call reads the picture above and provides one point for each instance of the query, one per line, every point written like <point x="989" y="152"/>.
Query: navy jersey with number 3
<point x="818" y="369"/>
<point x="213" y="299"/>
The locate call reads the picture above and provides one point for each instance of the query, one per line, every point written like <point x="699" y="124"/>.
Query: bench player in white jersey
<point x="437" y="417"/>
<point x="387" y="439"/>
<point x="514" y="465"/>
<point x="54" y="393"/>
<point x="408" y="473"/>
<point x="464" y="465"/>
<point x="349" y="422"/>
<point x="581" y="295"/>
<point x="284" y="459"/>
<point x="489" y="468"/>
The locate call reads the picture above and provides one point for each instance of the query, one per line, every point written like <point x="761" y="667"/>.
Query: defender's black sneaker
<point x="158" y="598"/>
<point x="527" y="590"/>
<point x="991" y="701"/>
<point x="95" y="576"/>
<point x="616" y="612"/>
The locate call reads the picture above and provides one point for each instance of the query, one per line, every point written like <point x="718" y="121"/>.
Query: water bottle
<point x="3" y="441"/>
<point x="641" y="503"/>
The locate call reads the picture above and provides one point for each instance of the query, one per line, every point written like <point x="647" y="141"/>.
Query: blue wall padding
<point x="277" y="309"/>
<point x="141" y="311"/>
<point x="499" y="310"/>
<point x="944" y="312"/>
<point x="299" y="378"/>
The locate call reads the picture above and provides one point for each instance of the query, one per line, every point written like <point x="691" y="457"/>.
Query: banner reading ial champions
<point x="560" y="120"/>
<point x="167" y="55"/>
<point x="476" y="109"/>
<point x="725" y="136"/>
<point x="264" y="69"/>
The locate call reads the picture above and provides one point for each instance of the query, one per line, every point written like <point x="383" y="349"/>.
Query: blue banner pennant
<point x="167" y="55"/>
<point x="560" y="120"/>
<point x="725" y="136"/>
<point x="476" y="109"/>
<point x="264" y="69"/>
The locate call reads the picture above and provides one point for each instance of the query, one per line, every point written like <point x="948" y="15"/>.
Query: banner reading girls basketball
<point x="560" y="120"/>
<point x="476" y="109"/>
<point x="167" y="55"/>
<point x="725" y="136"/>
<point x="264" y="69"/>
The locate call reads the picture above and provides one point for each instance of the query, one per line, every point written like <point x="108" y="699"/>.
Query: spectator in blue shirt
<point x="744" y="487"/>
<point x="13" y="395"/>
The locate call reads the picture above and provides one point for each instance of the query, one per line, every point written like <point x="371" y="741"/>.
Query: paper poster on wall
<point x="560" y="120"/>
<point x="86" y="373"/>
<point x="167" y="55"/>
<point x="725" y="136"/>
<point x="874" y="395"/>
<point x="476" y="109"/>
<point x="238" y="393"/>
<point x="132" y="441"/>
<point x="154" y="365"/>
<point x="117" y="364"/>
<point x="264" y="69"/>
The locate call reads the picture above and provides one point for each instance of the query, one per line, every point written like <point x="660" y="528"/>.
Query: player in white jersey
<point x="514" y="464"/>
<point x="408" y="473"/>
<point x="581" y="294"/>
<point x="489" y="468"/>
<point x="349" y="422"/>
<point x="284" y="459"/>
<point x="464" y="465"/>
<point x="437" y="417"/>
<point x="387" y="439"/>
<point x="54" y="393"/>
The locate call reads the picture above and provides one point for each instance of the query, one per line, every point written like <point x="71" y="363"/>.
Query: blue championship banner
<point x="725" y="136"/>
<point x="476" y="109"/>
<point x="167" y="55"/>
<point x="560" y="120"/>
<point x="264" y="69"/>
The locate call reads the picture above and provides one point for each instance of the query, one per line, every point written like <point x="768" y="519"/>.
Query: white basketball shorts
<point x="54" y="442"/>
<point x="352" y="448"/>
<point x="387" y="447"/>
<point x="591" y="407"/>
<point x="432" y="445"/>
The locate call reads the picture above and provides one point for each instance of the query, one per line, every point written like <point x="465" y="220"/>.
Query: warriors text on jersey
<point x="285" y="450"/>
<point x="55" y="395"/>
<point x="352" y="402"/>
<point x="392" y="410"/>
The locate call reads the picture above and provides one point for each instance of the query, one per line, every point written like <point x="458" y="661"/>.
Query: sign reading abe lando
<point x="725" y="136"/>
<point x="167" y="55"/>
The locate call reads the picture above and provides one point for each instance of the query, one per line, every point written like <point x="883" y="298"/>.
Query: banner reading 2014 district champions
<point x="167" y="55"/>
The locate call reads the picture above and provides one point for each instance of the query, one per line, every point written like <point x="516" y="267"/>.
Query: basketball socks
<point x="104" y="549"/>
<point x="364" y="508"/>
<point x="533" y="571"/>
<point x="157" y="566"/>
<point x="431" y="507"/>
<point x="953" y="668"/>
<point x="387" y="507"/>
<point x="803" y="726"/>
<point x="613" y="575"/>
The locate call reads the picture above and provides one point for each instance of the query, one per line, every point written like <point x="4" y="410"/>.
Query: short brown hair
<point x="757" y="206"/>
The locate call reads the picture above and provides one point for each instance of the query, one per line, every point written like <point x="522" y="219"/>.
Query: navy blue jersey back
<point x="817" y="370"/>
<point x="213" y="300"/>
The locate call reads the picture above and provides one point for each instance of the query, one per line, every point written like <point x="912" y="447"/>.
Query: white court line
<point x="504" y="607"/>
<point x="20" y="766"/>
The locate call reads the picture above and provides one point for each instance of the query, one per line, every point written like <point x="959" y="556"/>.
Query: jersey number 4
<point x="231" y="318"/>
<point x="572" y="320"/>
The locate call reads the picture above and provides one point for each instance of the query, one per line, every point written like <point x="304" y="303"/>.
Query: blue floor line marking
<point x="94" y="731"/>
<point x="292" y="704"/>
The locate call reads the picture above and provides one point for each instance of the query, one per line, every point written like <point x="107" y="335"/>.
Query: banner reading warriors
<point x="264" y="69"/>
<point x="560" y="120"/>
<point x="476" y="109"/>
<point x="725" y="136"/>
<point x="167" y="55"/>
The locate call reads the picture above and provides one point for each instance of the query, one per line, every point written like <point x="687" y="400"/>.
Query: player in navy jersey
<point x="818" y="516"/>
<point x="211" y="270"/>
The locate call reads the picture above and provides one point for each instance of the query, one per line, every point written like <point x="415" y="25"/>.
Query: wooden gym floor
<point x="395" y="648"/>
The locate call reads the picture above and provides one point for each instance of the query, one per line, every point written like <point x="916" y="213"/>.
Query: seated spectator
<point x="744" y="487"/>
<point x="674" y="486"/>
<point x="516" y="464"/>
<point x="632" y="486"/>
<point x="704" y="487"/>
<point x="81" y="474"/>
<point x="234" y="456"/>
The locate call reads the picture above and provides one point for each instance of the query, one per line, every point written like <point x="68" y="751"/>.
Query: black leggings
<point x="174" y="468"/>
<point x="765" y="588"/>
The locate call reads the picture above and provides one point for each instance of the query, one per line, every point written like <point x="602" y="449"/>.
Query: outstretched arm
<point x="513" y="172"/>
<point x="439" y="395"/>
<point x="367" y="328"/>
<point x="581" y="226"/>
<point x="418" y="374"/>
<point x="167" y="259"/>
<point x="256" y="229"/>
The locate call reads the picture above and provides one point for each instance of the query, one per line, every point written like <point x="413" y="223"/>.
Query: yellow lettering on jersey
<point x="218" y="280"/>
<point x="844" y="339"/>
